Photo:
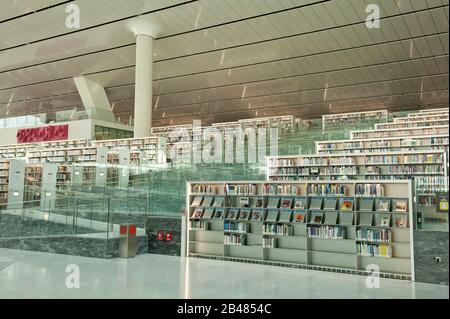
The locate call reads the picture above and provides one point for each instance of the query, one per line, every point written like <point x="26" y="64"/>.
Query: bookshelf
<point x="330" y="120"/>
<point x="399" y="132"/>
<point x="440" y="122"/>
<point x="435" y="111"/>
<point x="327" y="225"/>
<point x="421" y="117"/>
<point x="12" y="174"/>
<point x="388" y="144"/>
<point x="371" y="165"/>
<point x="14" y="151"/>
<point x="152" y="149"/>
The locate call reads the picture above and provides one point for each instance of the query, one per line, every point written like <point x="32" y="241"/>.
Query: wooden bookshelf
<point x="327" y="225"/>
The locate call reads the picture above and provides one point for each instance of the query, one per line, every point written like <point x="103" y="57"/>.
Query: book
<point x="316" y="218"/>
<point x="385" y="221"/>
<point x="197" y="201"/>
<point x="198" y="213"/>
<point x="208" y="213"/>
<point x="245" y="214"/>
<point x="230" y="189"/>
<point x="347" y="204"/>
<point x="219" y="214"/>
<point x="218" y="201"/>
<point x="299" y="216"/>
<point x="441" y="202"/>
<point x="286" y="202"/>
<point x="401" y="205"/>
<point x="272" y="215"/>
<point x="259" y="202"/>
<point x="257" y="215"/>
<point x="316" y="203"/>
<point x="274" y="202"/>
<point x="300" y="203"/>
<point x="329" y="204"/>
<point x="233" y="213"/>
<point x="244" y="202"/>
<point x="400" y="222"/>
<point x="366" y="204"/>
<point x="285" y="215"/>
<point x="207" y="201"/>
<point x="383" y="205"/>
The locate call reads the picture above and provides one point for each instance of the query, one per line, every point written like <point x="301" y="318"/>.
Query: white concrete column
<point x="143" y="86"/>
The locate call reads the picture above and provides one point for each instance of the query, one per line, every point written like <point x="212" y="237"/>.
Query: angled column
<point x="94" y="98"/>
<point x="143" y="85"/>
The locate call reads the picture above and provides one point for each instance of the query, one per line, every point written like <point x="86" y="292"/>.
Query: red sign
<point x="132" y="229"/>
<point x="169" y="236"/>
<point x="160" y="235"/>
<point x="123" y="229"/>
<point x="43" y="134"/>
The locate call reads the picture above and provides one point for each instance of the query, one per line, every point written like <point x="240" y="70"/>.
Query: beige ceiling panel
<point x="13" y="8"/>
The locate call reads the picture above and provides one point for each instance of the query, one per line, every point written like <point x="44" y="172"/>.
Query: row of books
<point x="271" y="189"/>
<point x="204" y="189"/>
<point x="374" y="250"/>
<point x="374" y="235"/>
<point x="416" y="169"/>
<point x="327" y="232"/>
<point x="432" y="184"/>
<point x="269" y="242"/>
<point x="229" y="226"/>
<point x="246" y="189"/>
<point x="235" y="239"/>
<point x="327" y="189"/>
<point x="198" y="224"/>
<point x="302" y="202"/>
<point x="333" y="170"/>
<point x="374" y="190"/>
<point x="278" y="229"/>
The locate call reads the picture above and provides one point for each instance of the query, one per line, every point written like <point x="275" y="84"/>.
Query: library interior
<point x="230" y="149"/>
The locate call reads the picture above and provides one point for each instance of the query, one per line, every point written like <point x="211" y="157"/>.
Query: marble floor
<point x="43" y="275"/>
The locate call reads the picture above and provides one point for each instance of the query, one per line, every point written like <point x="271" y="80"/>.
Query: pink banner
<point x="43" y="134"/>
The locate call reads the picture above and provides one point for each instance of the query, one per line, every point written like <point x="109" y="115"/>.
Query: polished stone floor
<point x="43" y="275"/>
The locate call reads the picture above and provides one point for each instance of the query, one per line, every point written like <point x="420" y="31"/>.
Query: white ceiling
<point x="220" y="60"/>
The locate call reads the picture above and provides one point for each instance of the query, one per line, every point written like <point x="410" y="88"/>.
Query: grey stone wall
<point x="427" y="246"/>
<point x="16" y="226"/>
<point x="72" y="245"/>
<point x="153" y="224"/>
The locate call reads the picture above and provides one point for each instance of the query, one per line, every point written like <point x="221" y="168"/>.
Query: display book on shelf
<point x="370" y="165"/>
<point x="397" y="132"/>
<point x="411" y="143"/>
<point x="332" y="224"/>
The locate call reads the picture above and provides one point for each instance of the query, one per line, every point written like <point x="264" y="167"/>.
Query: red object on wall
<point x="169" y="236"/>
<point x="160" y="235"/>
<point x="123" y="229"/>
<point x="43" y="134"/>
<point x="132" y="229"/>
